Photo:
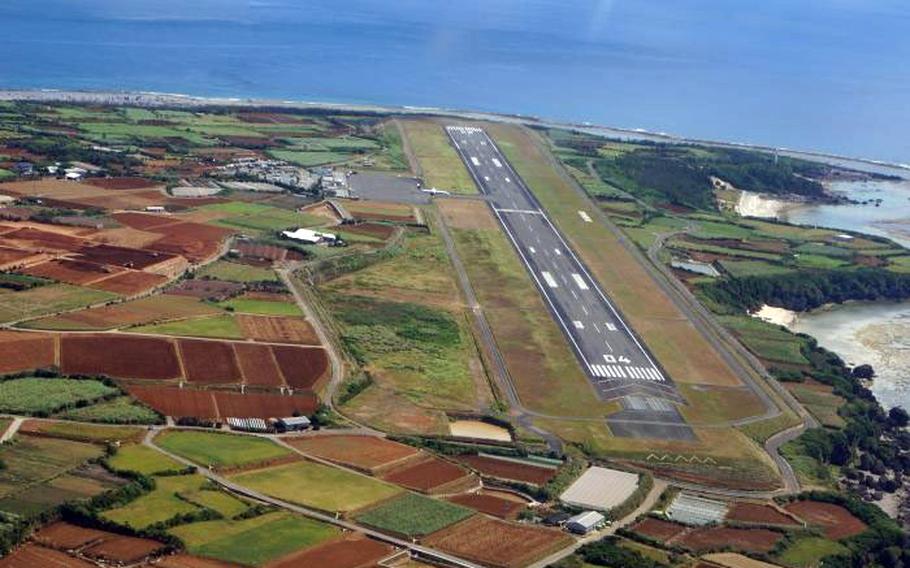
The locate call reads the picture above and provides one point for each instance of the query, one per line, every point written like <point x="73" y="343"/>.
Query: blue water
<point x="829" y="75"/>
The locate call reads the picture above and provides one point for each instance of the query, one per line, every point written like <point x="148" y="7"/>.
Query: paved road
<point x="613" y="358"/>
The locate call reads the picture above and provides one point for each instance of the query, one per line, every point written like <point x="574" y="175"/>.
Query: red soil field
<point x="427" y="476"/>
<point x="123" y="549"/>
<point x="715" y="538"/>
<point x="302" y="367"/>
<point x="121" y="183"/>
<point x="70" y="271"/>
<point x="278" y="329"/>
<point x="123" y="256"/>
<point x="143" y="221"/>
<point x="187" y="561"/>
<point x="38" y="239"/>
<point x="499" y="544"/>
<point x="25" y="351"/>
<point x="658" y="529"/>
<point x="177" y="402"/>
<point x="383" y="217"/>
<point x="258" y="365"/>
<point x="65" y="536"/>
<point x="350" y="552"/>
<point x="209" y="361"/>
<point x="759" y="514"/>
<point x="130" y="283"/>
<point x="366" y="453"/>
<point x="268" y="252"/>
<point x="34" y="556"/>
<point x="371" y="230"/>
<point x="119" y="356"/>
<point x="11" y="255"/>
<point x="835" y="521"/>
<point x="256" y="405"/>
<point x="489" y="504"/>
<point x="194" y="241"/>
<point x="215" y="289"/>
<point x="503" y="469"/>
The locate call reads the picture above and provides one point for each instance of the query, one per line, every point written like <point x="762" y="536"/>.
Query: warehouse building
<point x="584" y="523"/>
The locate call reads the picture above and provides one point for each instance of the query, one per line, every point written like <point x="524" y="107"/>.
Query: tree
<point x="898" y="417"/>
<point x="864" y="371"/>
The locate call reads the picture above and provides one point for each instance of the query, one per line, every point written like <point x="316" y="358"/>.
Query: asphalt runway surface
<point x="613" y="358"/>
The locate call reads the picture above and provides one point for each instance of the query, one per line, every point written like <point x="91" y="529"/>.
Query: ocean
<point x="824" y="75"/>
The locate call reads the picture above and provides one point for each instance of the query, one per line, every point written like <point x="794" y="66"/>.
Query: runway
<point x="613" y="358"/>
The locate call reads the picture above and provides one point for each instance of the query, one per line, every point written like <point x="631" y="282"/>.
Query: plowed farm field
<point x="504" y="469"/>
<point x="369" y="454"/>
<point x="32" y="556"/>
<point x="351" y="552"/>
<point x="278" y="329"/>
<point x="758" y="513"/>
<point x="432" y="475"/>
<point x="25" y="351"/>
<point x="835" y="521"/>
<point x="209" y="361"/>
<point x="121" y="549"/>
<point x="218" y="405"/>
<point x="490" y="504"/>
<point x="258" y="365"/>
<point x="658" y="529"/>
<point x="130" y="283"/>
<point x="70" y="271"/>
<point x="119" y="356"/>
<point x="65" y="536"/>
<point x="147" y="310"/>
<point x="713" y="538"/>
<point x="498" y="543"/>
<point x="302" y="367"/>
<point x="121" y="183"/>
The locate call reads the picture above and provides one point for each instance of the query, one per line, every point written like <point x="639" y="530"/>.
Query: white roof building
<point x="583" y="523"/>
<point x="309" y="236"/>
<point x="600" y="488"/>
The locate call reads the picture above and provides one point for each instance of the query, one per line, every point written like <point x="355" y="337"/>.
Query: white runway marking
<point x="496" y="163"/>
<point x="486" y="178"/>
<point x="585" y="310"/>
<point x="580" y="281"/>
<point x="475" y="161"/>
<point x="574" y="295"/>
<point x="558" y="252"/>
<point x="508" y="180"/>
<point x="551" y="282"/>
<point x="622" y="372"/>
<point x="610" y="326"/>
<point x="578" y="324"/>
<point x="584" y="216"/>
<point x="597" y="328"/>
<point x="532" y="249"/>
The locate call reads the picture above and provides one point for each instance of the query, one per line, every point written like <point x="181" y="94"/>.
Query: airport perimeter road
<point x="611" y="355"/>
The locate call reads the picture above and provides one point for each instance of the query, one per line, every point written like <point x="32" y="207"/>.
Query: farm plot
<point x="119" y="356"/>
<point x="759" y="514"/>
<point x="220" y="450"/>
<point x="352" y="551"/>
<point x="120" y="550"/>
<point x="317" y="486"/>
<point x="509" y="469"/>
<point x="258" y="366"/>
<point x="130" y="283"/>
<point x="658" y="529"/>
<point x="380" y="211"/>
<point x="217" y="405"/>
<point x="835" y="521"/>
<point x="498" y="543"/>
<point x="32" y="555"/>
<point x="138" y="312"/>
<point x="431" y="475"/>
<point x="808" y="552"/>
<point x="302" y="367"/>
<point x="254" y="541"/>
<point x="370" y="454"/>
<point x="65" y="536"/>
<point x="713" y="538"/>
<point x="144" y="460"/>
<point x="91" y="433"/>
<point x="221" y="326"/>
<point x="25" y="351"/>
<point x="206" y="288"/>
<point x="162" y="504"/>
<point x="49" y="299"/>
<point x="413" y="515"/>
<point x="45" y="396"/>
<point x="74" y="272"/>
<point x="490" y="504"/>
<point x="278" y="329"/>
<point x="265" y="307"/>
<point x="122" y="183"/>
<point x="209" y="362"/>
<point x="236" y="272"/>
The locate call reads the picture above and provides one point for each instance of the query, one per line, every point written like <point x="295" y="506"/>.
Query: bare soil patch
<point x="466" y="214"/>
<point x="209" y="361"/>
<point x="369" y="454"/>
<point x="258" y="365"/>
<point x="32" y="556"/>
<point x="836" y="521"/>
<point x="354" y="551"/>
<point x="123" y="549"/>
<point x="131" y="283"/>
<point x="25" y="351"/>
<point x="489" y="504"/>
<point x="65" y="536"/>
<point x="432" y="475"/>
<point x="512" y="471"/>
<point x="658" y="529"/>
<point x="302" y="367"/>
<point x="216" y="290"/>
<point x="119" y="356"/>
<point x="122" y="183"/>
<point x="713" y="538"/>
<point x="759" y="514"/>
<point x="218" y="405"/>
<point x="278" y="329"/>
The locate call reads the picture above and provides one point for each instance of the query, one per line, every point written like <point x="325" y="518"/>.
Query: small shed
<point x="583" y="523"/>
<point x="292" y="424"/>
<point x="309" y="236"/>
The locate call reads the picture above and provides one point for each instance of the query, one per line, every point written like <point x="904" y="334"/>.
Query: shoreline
<point x="156" y="99"/>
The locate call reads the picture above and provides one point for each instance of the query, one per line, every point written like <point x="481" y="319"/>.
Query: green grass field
<point x="318" y="486"/>
<point x="222" y="327"/>
<point x="44" y="396"/>
<point x="144" y="460"/>
<point x="235" y="272"/>
<point x="219" y="501"/>
<point x="807" y="552"/>
<point x="31" y="460"/>
<point x="440" y="164"/>
<point x="262" y="217"/>
<point x="308" y="159"/>
<point x="120" y="410"/>
<point x="219" y="450"/>
<point x="766" y="340"/>
<point x="47" y="300"/>
<point x="162" y="504"/>
<point x="413" y="515"/>
<point x="262" y="307"/>
<point x="254" y="541"/>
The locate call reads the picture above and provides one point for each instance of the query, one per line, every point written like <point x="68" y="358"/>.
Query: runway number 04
<point x="621" y="359"/>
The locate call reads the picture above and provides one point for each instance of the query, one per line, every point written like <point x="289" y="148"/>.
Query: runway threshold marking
<point x="580" y="281"/>
<point x="496" y="163"/>
<point x="475" y="161"/>
<point x="519" y="211"/>
<point x="551" y="282"/>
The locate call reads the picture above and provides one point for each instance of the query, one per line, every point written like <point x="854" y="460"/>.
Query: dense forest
<point x="806" y="290"/>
